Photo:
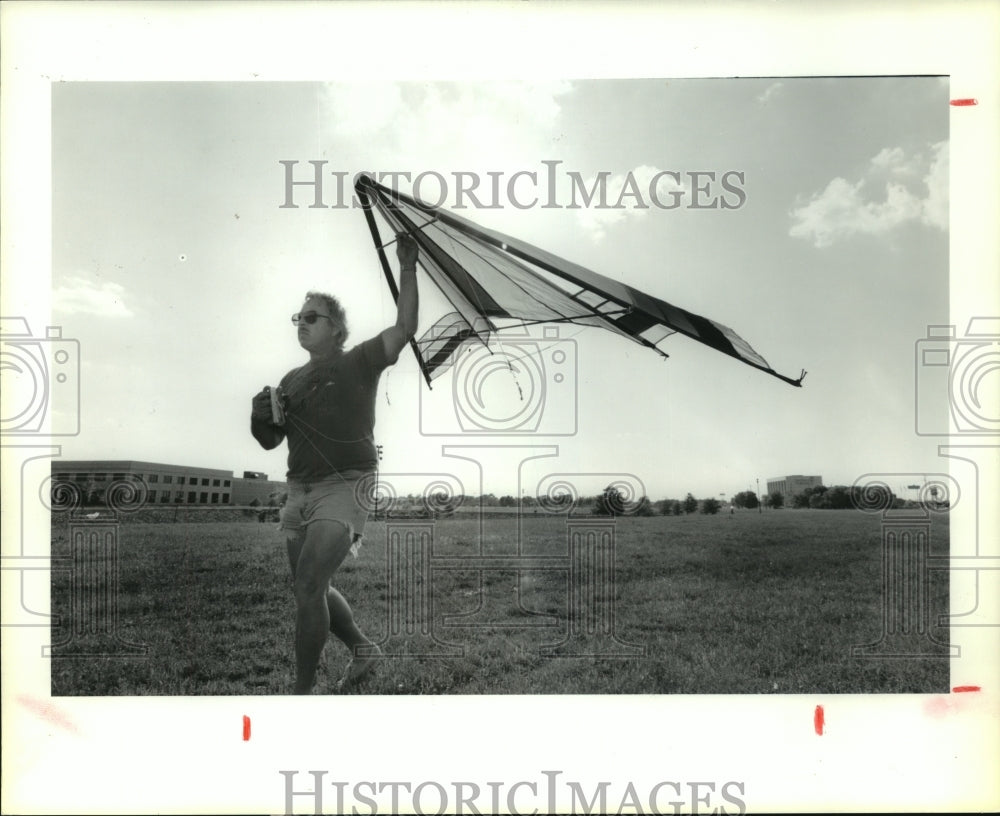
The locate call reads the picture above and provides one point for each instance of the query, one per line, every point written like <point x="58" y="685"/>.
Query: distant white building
<point x="169" y="484"/>
<point x="790" y="486"/>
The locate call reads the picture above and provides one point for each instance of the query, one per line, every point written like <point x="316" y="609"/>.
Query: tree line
<point x="613" y="502"/>
<point x="819" y="497"/>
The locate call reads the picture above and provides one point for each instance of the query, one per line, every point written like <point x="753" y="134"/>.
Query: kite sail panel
<point x="488" y="277"/>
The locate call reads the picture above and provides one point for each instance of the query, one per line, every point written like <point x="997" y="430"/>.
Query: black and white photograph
<point x="557" y="487"/>
<point x="383" y="405"/>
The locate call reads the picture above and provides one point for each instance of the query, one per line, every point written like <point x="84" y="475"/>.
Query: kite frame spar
<point x="612" y="305"/>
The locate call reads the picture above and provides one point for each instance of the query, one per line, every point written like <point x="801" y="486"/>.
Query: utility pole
<point x="760" y="503"/>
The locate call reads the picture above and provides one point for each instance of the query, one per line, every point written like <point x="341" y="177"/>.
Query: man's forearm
<point x="408" y="302"/>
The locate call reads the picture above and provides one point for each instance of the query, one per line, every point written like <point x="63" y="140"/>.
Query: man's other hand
<point x="406" y="251"/>
<point x="261" y="406"/>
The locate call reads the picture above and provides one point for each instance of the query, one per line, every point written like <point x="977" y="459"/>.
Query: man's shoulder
<point x="371" y="351"/>
<point x="291" y="373"/>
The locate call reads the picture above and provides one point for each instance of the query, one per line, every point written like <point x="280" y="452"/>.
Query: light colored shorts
<point x="335" y="498"/>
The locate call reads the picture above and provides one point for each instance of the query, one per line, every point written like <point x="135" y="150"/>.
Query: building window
<point x="204" y="482"/>
<point x="152" y="496"/>
<point x="227" y="483"/>
<point x="100" y="477"/>
<point x="168" y="480"/>
<point x="179" y="496"/>
<point x="215" y="482"/>
<point x="165" y="498"/>
<point x="154" y="478"/>
<point x="192" y="497"/>
<point x="225" y="498"/>
<point x="215" y="498"/>
<point x="203" y="499"/>
<point x="119" y="477"/>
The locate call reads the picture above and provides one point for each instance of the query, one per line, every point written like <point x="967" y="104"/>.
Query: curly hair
<point x="335" y="309"/>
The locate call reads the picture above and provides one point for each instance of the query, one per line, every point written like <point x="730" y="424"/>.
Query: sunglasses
<point x="307" y="317"/>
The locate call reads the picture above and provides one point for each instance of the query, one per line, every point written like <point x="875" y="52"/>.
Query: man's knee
<point x="308" y="587"/>
<point x="325" y="545"/>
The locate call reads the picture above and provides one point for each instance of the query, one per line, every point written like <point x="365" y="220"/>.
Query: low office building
<point x="166" y="484"/>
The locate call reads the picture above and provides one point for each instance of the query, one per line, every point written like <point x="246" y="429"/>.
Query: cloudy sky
<point x="177" y="269"/>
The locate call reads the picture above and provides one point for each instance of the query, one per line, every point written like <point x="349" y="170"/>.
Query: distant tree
<point x="690" y="504"/>
<point x="556" y="503"/>
<point x="936" y="500"/>
<point x="644" y="508"/>
<point x="508" y="501"/>
<point x="676" y="509"/>
<point x="838" y="497"/>
<point x="610" y="503"/>
<point x="666" y="506"/>
<point x="710" y="506"/>
<point x="747" y="499"/>
<point x="776" y="500"/>
<point x="874" y="496"/>
<point x="810" y="497"/>
<point x="439" y="504"/>
<point x="94" y="493"/>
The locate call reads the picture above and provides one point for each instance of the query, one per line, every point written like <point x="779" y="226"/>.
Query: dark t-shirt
<point x="330" y="413"/>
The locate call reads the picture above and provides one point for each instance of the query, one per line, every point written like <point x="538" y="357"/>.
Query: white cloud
<point x="628" y="195"/>
<point x="936" y="204"/>
<point x="889" y="158"/>
<point x="361" y="110"/>
<point x="412" y="127"/>
<point x="78" y="295"/>
<point x="896" y="189"/>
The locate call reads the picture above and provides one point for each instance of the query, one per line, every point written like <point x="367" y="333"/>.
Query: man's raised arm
<point x="395" y="337"/>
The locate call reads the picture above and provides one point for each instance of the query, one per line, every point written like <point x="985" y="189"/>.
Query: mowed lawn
<point x="749" y="603"/>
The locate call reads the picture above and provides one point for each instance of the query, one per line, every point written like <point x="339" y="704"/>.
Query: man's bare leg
<point x="341" y="616"/>
<point x="342" y="622"/>
<point x="324" y="547"/>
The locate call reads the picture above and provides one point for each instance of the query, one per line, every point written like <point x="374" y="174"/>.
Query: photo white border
<point x="888" y="752"/>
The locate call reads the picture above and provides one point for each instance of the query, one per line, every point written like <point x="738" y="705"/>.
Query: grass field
<point x="752" y="603"/>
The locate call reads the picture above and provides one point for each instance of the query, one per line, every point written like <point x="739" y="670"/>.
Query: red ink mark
<point x="246" y="728"/>
<point x="818" y="720"/>
<point x="954" y="703"/>
<point x="961" y="103"/>
<point x="48" y="712"/>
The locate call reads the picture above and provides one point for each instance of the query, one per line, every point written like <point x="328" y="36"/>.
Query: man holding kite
<point x="326" y="411"/>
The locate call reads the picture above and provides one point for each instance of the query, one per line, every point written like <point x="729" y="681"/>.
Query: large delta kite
<point x="491" y="279"/>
